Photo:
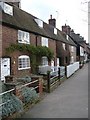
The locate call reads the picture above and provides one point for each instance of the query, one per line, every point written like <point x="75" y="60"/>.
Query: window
<point x="72" y="59"/>
<point x="72" y="49"/>
<point x="55" y="31"/>
<point x="67" y="37"/>
<point x="39" y="22"/>
<point x="44" y="41"/>
<point x="63" y="46"/>
<point x="23" y="62"/>
<point x="23" y="37"/>
<point x="57" y="61"/>
<point x="81" y="51"/>
<point x="7" y="8"/>
<point x="44" y="60"/>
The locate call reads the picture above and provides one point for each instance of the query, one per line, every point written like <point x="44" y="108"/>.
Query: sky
<point x="72" y="12"/>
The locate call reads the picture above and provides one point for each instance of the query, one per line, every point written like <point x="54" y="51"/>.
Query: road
<point x="69" y="100"/>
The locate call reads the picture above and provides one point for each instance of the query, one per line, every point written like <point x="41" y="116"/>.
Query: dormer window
<point x="55" y="31"/>
<point x="8" y="9"/>
<point x="39" y="22"/>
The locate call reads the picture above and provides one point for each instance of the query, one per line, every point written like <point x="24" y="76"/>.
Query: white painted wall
<point x="72" y="68"/>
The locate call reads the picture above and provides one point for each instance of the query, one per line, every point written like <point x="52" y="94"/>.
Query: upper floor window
<point x="72" y="49"/>
<point x="44" y="41"/>
<point x="81" y="51"/>
<point x="7" y="8"/>
<point x="44" y="60"/>
<point x="64" y="47"/>
<point x="39" y="22"/>
<point x="55" y="31"/>
<point x="72" y="60"/>
<point x="67" y="37"/>
<point x="23" y="62"/>
<point x="23" y="37"/>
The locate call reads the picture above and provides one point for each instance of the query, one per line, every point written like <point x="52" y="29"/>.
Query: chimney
<point x="72" y="31"/>
<point x="52" y="21"/>
<point x="78" y="34"/>
<point x="16" y="3"/>
<point x="66" y="29"/>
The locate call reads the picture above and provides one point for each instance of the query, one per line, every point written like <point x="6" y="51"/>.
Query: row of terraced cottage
<point x="29" y="43"/>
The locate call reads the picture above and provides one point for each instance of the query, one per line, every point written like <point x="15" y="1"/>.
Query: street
<point x="69" y="100"/>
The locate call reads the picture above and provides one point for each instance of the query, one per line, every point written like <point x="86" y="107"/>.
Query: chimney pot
<point x="50" y="16"/>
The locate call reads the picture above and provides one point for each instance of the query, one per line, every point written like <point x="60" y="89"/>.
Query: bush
<point x="29" y="95"/>
<point x="11" y="104"/>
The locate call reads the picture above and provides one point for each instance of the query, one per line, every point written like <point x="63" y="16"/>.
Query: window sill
<point x="24" y="68"/>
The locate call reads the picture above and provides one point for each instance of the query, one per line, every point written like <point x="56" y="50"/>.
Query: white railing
<point x="72" y="68"/>
<point x="44" y="69"/>
<point x="53" y="69"/>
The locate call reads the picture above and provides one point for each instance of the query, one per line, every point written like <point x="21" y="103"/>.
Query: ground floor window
<point x="23" y="62"/>
<point x="44" y="60"/>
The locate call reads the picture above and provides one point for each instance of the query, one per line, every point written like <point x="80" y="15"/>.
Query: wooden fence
<point x="35" y="84"/>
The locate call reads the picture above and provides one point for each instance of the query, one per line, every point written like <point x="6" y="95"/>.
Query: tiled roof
<point x="25" y="21"/>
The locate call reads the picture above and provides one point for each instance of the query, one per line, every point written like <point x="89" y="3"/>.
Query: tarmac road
<point x="69" y="100"/>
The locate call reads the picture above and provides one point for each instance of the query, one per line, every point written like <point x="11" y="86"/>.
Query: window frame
<point x="55" y="31"/>
<point x="39" y="22"/>
<point x="72" y="48"/>
<point x="23" y="59"/>
<point x="8" y="9"/>
<point x="44" y="41"/>
<point x="44" y="61"/>
<point x="22" y="37"/>
<point x="64" y="46"/>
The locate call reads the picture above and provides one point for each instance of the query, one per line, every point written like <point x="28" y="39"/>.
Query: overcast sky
<point x="71" y="12"/>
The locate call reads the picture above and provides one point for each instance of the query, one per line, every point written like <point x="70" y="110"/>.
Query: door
<point x="5" y="67"/>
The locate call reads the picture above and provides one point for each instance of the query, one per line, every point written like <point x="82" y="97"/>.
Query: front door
<point x="5" y="67"/>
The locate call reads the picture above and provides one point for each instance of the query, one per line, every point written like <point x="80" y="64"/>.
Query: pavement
<point x="69" y="100"/>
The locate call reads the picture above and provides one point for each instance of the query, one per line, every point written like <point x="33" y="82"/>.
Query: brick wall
<point x="52" y="46"/>
<point x="10" y="35"/>
<point x="63" y="54"/>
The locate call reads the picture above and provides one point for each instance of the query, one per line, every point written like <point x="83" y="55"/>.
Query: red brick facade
<point x="10" y="35"/>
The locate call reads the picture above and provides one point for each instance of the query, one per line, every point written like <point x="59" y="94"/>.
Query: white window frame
<point x="44" y="41"/>
<point x="23" y="37"/>
<point x="72" y="59"/>
<point x="64" y="46"/>
<point x="55" y="31"/>
<point x="39" y="22"/>
<point x="58" y="62"/>
<point x="67" y="37"/>
<point x="72" y="48"/>
<point x="25" y="62"/>
<point x="81" y="51"/>
<point x="8" y="9"/>
<point x="44" y="61"/>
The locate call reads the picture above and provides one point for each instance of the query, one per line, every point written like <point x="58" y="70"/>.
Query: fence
<point x="53" y="70"/>
<point x="34" y="85"/>
<point x="70" y="69"/>
<point x="53" y="75"/>
<point x="52" y="80"/>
